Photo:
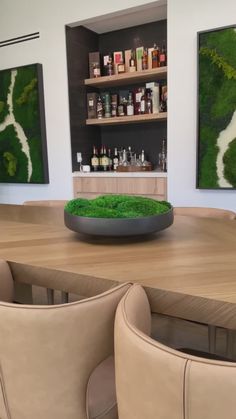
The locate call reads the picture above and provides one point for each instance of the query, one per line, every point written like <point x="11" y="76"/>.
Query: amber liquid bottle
<point x="163" y="56"/>
<point x="155" y="57"/>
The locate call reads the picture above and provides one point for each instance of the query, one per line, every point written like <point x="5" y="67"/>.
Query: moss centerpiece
<point x="117" y="215"/>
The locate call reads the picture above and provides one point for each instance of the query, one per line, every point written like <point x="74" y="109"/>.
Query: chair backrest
<point x="205" y="212"/>
<point x="154" y="381"/>
<point x="47" y="354"/>
<point x="47" y="203"/>
<point x="6" y="283"/>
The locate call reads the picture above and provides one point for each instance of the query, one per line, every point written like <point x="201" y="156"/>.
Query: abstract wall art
<point x="216" y="163"/>
<point x="23" y="149"/>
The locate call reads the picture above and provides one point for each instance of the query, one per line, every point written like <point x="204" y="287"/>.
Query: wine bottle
<point x="95" y="160"/>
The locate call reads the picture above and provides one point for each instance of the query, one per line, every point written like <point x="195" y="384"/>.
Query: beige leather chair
<point x="211" y="213"/>
<point x="154" y="381"/>
<point x="47" y="203"/>
<point x="56" y="361"/>
<point x="205" y="212"/>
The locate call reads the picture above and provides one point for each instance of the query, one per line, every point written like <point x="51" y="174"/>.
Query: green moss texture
<point x="217" y="99"/>
<point x="117" y="206"/>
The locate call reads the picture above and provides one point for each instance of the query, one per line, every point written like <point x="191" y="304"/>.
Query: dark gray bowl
<point x="118" y="227"/>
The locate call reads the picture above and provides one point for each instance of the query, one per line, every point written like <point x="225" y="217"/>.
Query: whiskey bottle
<point x="130" y="105"/>
<point x="96" y="70"/>
<point x="143" y="103"/>
<point x="163" y="56"/>
<point x="95" y="160"/>
<point x="115" y="160"/>
<point x="145" y="59"/>
<point x="148" y="104"/>
<point x="132" y="62"/>
<point x="155" y="57"/>
<point x="99" y="108"/>
<point x="110" y="66"/>
<point x="121" y="66"/>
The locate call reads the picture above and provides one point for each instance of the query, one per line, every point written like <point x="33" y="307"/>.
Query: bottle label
<point x="94" y="161"/>
<point x="105" y="161"/>
<point x="138" y="96"/>
<point x="130" y="110"/>
<point x="162" y="58"/>
<point x="143" y="106"/>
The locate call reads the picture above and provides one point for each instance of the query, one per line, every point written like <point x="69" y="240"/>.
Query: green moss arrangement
<point x="117" y="206"/>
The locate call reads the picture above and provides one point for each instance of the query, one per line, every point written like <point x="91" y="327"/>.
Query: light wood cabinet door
<point x="90" y="187"/>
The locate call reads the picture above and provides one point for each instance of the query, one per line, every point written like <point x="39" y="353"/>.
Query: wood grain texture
<point x="152" y="187"/>
<point x="134" y="119"/>
<point x="188" y="270"/>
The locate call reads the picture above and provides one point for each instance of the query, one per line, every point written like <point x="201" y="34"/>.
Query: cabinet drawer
<point x="96" y="185"/>
<point x="141" y="186"/>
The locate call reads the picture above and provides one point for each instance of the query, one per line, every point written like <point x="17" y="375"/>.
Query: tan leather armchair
<point x="55" y="361"/>
<point x="154" y="381"/>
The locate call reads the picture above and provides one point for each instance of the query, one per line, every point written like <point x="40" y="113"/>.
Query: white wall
<point x="185" y="19"/>
<point x="49" y="17"/>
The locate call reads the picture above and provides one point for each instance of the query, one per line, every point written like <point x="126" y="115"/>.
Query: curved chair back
<point x="47" y="355"/>
<point x="156" y="382"/>
<point x="205" y="212"/>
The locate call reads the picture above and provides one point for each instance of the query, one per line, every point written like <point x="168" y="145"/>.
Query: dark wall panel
<point x="81" y="41"/>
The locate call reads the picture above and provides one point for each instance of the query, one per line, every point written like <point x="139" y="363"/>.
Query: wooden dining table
<point x="188" y="270"/>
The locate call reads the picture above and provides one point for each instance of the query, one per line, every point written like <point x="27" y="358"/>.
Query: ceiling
<point x="150" y="12"/>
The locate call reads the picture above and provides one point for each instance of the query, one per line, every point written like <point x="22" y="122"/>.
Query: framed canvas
<point x="23" y="149"/>
<point x="216" y="157"/>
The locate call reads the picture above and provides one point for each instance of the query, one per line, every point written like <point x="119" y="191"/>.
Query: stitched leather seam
<point x="185" y="389"/>
<point x="166" y="349"/>
<point x="2" y="386"/>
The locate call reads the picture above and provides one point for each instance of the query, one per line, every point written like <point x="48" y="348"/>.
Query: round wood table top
<point x="188" y="270"/>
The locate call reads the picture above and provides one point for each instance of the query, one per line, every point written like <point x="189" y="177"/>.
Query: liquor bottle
<point x="110" y="66"/>
<point x="163" y="56"/>
<point x="163" y="104"/>
<point x="137" y="100"/>
<point x="100" y="157"/>
<point x="115" y="160"/>
<point x="148" y="108"/>
<point x="110" y="160"/>
<point x="163" y="157"/>
<point x="121" y="109"/>
<point x="121" y="66"/>
<point x="99" y="108"/>
<point x="155" y="57"/>
<point x="114" y="101"/>
<point x="107" y="105"/>
<point x="132" y="62"/>
<point x="130" y="105"/>
<point x="143" y="103"/>
<point x="145" y="59"/>
<point x="95" y="160"/>
<point x="96" y="70"/>
<point x="142" y="158"/>
<point x="105" y="160"/>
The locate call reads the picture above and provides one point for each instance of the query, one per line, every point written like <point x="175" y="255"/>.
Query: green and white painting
<point x="23" y="152"/>
<point x="217" y="109"/>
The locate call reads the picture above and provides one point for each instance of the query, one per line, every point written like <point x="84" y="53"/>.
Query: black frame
<point x="41" y="113"/>
<point x="198" y="111"/>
